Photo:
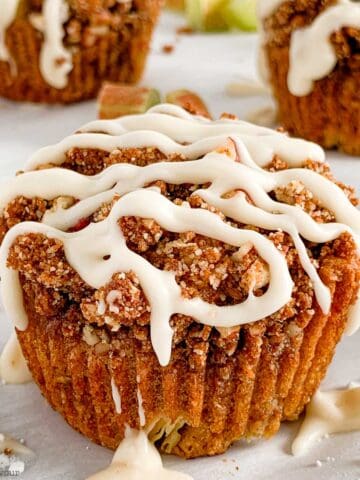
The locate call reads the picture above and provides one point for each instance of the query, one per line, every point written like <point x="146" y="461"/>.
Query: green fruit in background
<point x="206" y="14"/>
<point x="241" y="14"/>
<point x="217" y="15"/>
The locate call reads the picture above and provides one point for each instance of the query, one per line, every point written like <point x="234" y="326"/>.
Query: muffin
<point x="311" y="51"/>
<point x="176" y="4"/>
<point x="61" y="51"/>
<point x="184" y="276"/>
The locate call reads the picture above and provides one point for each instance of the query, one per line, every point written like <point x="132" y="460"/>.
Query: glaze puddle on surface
<point x="334" y="411"/>
<point x="137" y="459"/>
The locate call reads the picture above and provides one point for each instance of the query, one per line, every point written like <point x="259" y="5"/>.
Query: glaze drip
<point x="329" y="412"/>
<point x="55" y="59"/>
<point x="8" y="13"/>
<point x="13" y="367"/>
<point x="137" y="459"/>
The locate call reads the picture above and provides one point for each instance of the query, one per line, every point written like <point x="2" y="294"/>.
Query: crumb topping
<point x="204" y="268"/>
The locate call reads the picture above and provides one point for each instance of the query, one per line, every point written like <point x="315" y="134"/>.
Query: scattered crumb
<point x="228" y="116"/>
<point x="318" y="463"/>
<point x="185" y="30"/>
<point x="168" y="48"/>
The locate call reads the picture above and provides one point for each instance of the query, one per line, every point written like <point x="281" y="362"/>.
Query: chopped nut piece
<point x="188" y="100"/>
<point x="116" y="100"/>
<point x="89" y="336"/>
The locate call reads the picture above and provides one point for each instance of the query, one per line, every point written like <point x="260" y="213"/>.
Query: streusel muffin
<point x="62" y="50"/>
<point x="311" y="59"/>
<point x="178" y="274"/>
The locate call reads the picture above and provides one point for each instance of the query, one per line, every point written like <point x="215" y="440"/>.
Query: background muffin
<point x="316" y="83"/>
<point x="61" y="51"/>
<point x="91" y="350"/>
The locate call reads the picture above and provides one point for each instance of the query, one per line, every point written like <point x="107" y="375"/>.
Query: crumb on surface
<point x="168" y="48"/>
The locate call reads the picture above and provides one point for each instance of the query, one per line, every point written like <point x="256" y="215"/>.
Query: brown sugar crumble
<point x="206" y="268"/>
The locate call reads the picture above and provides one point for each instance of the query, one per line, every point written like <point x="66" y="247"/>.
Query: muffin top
<point x="162" y="215"/>
<point x="332" y="26"/>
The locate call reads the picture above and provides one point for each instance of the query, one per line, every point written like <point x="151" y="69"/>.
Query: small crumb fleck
<point x="185" y="30"/>
<point x="318" y="463"/>
<point x="168" y="48"/>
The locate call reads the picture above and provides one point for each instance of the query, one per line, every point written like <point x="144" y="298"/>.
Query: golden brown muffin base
<point x="220" y="396"/>
<point x="114" y="57"/>
<point x="330" y="114"/>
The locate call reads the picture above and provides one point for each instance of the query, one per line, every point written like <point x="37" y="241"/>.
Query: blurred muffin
<point x="174" y="285"/>
<point x="176" y="4"/>
<point x="61" y="51"/>
<point x="312" y="61"/>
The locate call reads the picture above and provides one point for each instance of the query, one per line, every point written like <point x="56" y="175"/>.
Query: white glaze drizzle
<point x="137" y="459"/>
<point x="225" y="173"/>
<point x="329" y="412"/>
<point x="55" y="59"/>
<point x="308" y="64"/>
<point x="8" y="13"/>
<point x="141" y="411"/>
<point x="116" y="396"/>
<point x="173" y="130"/>
<point x="13" y="367"/>
<point x="160" y="287"/>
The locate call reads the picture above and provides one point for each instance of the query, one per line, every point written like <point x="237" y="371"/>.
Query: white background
<point x="206" y="64"/>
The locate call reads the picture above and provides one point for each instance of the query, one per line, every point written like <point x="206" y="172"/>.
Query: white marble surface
<point x="206" y="64"/>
